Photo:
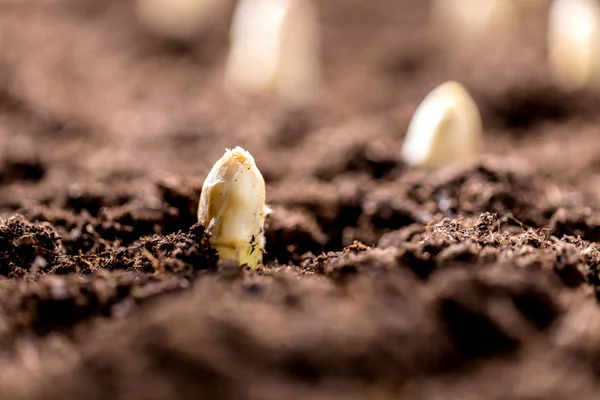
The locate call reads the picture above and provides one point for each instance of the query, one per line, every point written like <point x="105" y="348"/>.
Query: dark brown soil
<point x="380" y="281"/>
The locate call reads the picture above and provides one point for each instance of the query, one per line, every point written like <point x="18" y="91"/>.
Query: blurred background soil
<point x="470" y="282"/>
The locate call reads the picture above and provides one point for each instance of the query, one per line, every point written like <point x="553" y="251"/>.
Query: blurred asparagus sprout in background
<point x="574" y="43"/>
<point x="232" y="208"/>
<point x="275" y="48"/>
<point x="446" y="128"/>
<point x="472" y="22"/>
<point x="179" y="19"/>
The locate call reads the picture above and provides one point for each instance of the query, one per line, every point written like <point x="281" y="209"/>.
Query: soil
<point x="477" y="281"/>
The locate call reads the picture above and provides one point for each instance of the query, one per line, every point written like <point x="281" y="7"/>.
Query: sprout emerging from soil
<point x="178" y="19"/>
<point x="275" y="48"/>
<point x="232" y="208"/>
<point x="470" y="21"/>
<point x="574" y="43"/>
<point x="446" y="128"/>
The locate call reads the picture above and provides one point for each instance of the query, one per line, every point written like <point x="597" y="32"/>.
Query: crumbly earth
<point x="476" y="281"/>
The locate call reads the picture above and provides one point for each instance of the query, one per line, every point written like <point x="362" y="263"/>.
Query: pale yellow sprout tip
<point x="446" y="128"/>
<point x="574" y="43"/>
<point x="275" y="48"/>
<point x="232" y="207"/>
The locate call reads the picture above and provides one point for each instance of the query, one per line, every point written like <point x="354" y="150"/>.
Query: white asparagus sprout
<point x="446" y="128"/>
<point x="275" y="48"/>
<point x="574" y="43"/>
<point x="232" y="208"/>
